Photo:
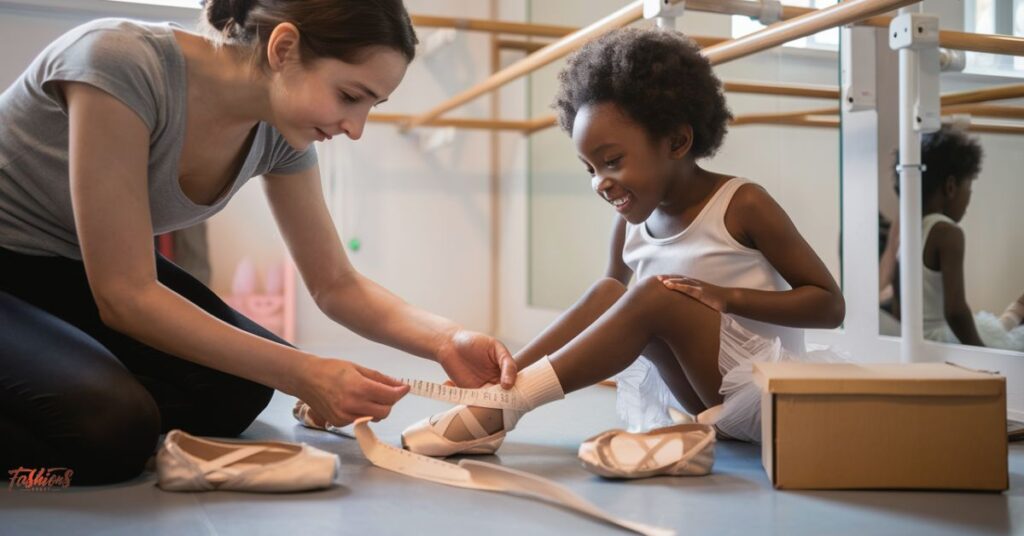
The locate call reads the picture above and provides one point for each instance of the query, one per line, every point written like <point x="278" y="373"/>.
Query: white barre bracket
<point x="664" y="12"/>
<point x="951" y="60"/>
<point x="858" y="68"/>
<point x="435" y="139"/>
<point x="920" y="32"/>
<point x="961" y="122"/>
<point x="771" y="12"/>
<point x="437" y="40"/>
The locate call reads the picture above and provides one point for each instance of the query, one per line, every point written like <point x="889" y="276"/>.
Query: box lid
<point x="876" y="378"/>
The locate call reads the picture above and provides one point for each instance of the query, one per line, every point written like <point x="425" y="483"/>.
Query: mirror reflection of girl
<point x="723" y="277"/>
<point x="952" y="162"/>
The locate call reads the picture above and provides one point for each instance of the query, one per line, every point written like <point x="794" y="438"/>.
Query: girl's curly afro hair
<point x="658" y="78"/>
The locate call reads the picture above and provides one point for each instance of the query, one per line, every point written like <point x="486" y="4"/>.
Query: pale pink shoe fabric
<point x="680" y="450"/>
<point x="190" y="463"/>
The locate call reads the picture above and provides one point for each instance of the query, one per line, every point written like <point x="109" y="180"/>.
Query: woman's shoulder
<point x="110" y="38"/>
<point x="134" y="61"/>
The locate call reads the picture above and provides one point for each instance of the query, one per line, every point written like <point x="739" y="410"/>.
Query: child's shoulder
<point x="750" y="196"/>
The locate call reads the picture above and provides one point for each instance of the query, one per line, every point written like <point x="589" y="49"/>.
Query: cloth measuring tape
<point x="494" y="397"/>
<point x="484" y="476"/>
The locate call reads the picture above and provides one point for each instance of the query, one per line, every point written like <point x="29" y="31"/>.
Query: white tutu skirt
<point x="644" y="399"/>
<point x="990" y="329"/>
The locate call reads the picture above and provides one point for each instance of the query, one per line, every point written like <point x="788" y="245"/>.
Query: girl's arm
<point x="471" y="359"/>
<point x="594" y="302"/>
<point x="950" y="245"/>
<point x="109" y="152"/>
<point x="815" y="300"/>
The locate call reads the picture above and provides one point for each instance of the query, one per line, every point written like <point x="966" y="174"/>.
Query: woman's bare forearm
<point x="373" y="312"/>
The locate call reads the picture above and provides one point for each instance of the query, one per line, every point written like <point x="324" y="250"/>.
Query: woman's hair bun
<point x="225" y="13"/>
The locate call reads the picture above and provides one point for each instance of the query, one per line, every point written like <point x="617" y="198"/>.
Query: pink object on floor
<point x="271" y="305"/>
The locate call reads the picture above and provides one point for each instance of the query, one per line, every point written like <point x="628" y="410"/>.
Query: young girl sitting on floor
<point x="723" y="278"/>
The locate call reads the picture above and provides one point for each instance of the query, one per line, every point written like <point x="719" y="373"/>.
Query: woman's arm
<point x="950" y="244"/>
<point x="814" y="301"/>
<point x="109" y="151"/>
<point x="347" y="297"/>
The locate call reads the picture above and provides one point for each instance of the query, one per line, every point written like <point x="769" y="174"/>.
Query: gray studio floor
<point x="736" y="499"/>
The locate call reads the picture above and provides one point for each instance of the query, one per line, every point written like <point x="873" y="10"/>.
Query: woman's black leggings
<point x="77" y="394"/>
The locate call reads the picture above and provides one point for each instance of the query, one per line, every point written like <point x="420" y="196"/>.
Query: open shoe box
<point x="882" y="426"/>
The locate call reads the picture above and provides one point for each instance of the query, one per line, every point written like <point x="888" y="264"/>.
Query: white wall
<point x="423" y="218"/>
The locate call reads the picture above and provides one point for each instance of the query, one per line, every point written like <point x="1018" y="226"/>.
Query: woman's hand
<point x="713" y="296"/>
<point x="340" y="392"/>
<point x="473" y="359"/>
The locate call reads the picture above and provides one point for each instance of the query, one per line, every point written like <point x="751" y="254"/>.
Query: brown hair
<point x="340" y="29"/>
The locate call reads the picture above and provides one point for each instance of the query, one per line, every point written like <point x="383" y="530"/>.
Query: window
<point x="994" y="17"/>
<point x="827" y="40"/>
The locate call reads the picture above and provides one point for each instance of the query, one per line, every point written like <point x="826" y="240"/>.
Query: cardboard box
<point x="882" y="426"/>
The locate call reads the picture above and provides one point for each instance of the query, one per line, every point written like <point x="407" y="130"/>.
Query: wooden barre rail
<point x="817" y="118"/>
<point x="799" y="22"/>
<point x="492" y="26"/>
<point x="801" y="25"/>
<point x="624" y="16"/>
<point x="526" y="125"/>
<point x="789" y="90"/>
<point x="988" y="43"/>
<point x="986" y="110"/>
<point x="533" y="46"/>
<point x="807" y="24"/>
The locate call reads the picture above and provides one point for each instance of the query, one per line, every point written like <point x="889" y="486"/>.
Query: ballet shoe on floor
<point x="190" y="463"/>
<point x="679" y="450"/>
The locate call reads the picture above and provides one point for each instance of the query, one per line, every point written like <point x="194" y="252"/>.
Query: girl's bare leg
<point x="671" y="371"/>
<point x="647" y="311"/>
<point x="647" y="314"/>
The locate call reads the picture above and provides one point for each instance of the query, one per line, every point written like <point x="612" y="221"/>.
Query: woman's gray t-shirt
<point x="141" y="65"/>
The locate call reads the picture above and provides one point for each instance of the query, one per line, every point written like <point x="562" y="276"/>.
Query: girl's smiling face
<point x="629" y="170"/>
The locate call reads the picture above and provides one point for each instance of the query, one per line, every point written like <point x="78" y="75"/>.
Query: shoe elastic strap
<point x="234" y="457"/>
<point x="682" y="462"/>
<point x="649" y="455"/>
<point x="698" y="448"/>
<point x="473" y="426"/>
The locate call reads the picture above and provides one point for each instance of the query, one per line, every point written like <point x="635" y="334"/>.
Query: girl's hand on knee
<point x="713" y="296"/>
<point x="340" y="392"/>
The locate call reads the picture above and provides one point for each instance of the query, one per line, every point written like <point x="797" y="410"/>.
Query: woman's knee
<point x="116" y="431"/>
<point x="232" y="407"/>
